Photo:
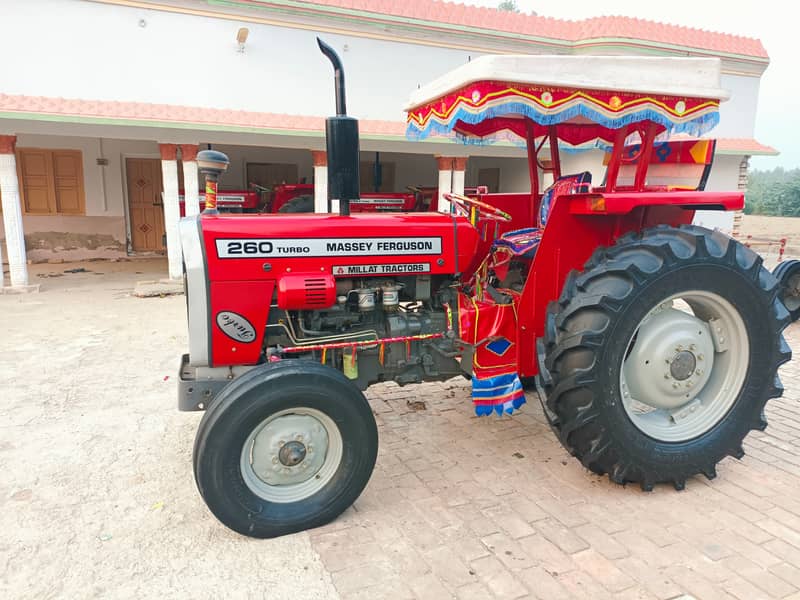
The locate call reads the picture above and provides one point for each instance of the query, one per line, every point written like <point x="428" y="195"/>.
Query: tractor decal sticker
<point x="391" y="269"/>
<point x="236" y="327"/>
<point x="303" y="247"/>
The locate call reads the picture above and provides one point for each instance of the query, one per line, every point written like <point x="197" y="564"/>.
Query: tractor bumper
<point x="193" y="393"/>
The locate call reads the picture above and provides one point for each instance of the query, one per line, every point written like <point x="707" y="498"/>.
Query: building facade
<point x="106" y="103"/>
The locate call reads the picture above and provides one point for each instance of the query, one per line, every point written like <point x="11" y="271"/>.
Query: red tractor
<point x="653" y="344"/>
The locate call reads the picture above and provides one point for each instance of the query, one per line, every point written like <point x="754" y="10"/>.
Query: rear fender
<point x="578" y="224"/>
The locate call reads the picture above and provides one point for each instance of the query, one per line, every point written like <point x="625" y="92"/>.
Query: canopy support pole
<point x="533" y="163"/>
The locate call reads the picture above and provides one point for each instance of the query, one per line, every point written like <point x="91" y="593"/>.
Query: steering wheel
<point x="475" y="208"/>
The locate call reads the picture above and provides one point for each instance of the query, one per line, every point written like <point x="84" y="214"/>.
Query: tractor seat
<point x="524" y="242"/>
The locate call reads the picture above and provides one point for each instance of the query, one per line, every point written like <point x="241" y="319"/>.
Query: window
<point x="51" y="181"/>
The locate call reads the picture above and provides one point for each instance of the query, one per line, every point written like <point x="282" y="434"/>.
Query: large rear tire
<point x="286" y="447"/>
<point x="660" y="356"/>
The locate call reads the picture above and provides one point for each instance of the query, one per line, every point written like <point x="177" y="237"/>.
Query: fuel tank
<point x="252" y="248"/>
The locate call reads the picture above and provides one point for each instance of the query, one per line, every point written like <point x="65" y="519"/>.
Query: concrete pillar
<point x="12" y="213"/>
<point x="445" y="165"/>
<point x="169" y="176"/>
<point x="191" y="182"/>
<point x="459" y="166"/>
<point x="320" y="158"/>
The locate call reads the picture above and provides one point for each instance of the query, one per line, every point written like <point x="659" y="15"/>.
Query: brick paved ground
<point x="494" y="508"/>
<point x="98" y="500"/>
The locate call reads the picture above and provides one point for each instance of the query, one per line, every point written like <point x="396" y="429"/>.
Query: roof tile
<point x="194" y="115"/>
<point x="584" y="30"/>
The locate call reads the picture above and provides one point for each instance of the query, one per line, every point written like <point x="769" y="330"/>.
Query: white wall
<point x="98" y="51"/>
<point x="738" y="115"/>
<point x="514" y="177"/>
<point x="77" y="49"/>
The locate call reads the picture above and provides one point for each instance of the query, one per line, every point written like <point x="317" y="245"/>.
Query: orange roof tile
<point x="162" y="115"/>
<point x="580" y="31"/>
<point x="744" y="146"/>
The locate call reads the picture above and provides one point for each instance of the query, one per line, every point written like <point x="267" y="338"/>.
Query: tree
<point x="775" y="192"/>
<point x="508" y="5"/>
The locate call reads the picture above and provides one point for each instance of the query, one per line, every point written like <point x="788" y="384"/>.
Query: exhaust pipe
<point x="341" y="138"/>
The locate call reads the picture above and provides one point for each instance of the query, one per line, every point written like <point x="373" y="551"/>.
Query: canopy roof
<point x="588" y="98"/>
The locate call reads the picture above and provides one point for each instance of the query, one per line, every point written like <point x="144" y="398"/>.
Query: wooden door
<point x="271" y="174"/>
<point x="145" y="204"/>
<point x="51" y="181"/>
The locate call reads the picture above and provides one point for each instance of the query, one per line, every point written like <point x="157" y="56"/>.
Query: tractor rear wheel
<point x="286" y="447"/>
<point x="788" y="275"/>
<point x="660" y="356"/>
<point x="298" y="204"/>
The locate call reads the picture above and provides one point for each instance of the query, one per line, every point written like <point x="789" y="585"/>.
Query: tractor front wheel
<point x="662" y="355"/>
<point x="286" y="447"/>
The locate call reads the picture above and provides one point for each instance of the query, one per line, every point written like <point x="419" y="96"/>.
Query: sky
<point x="774" y="22"/>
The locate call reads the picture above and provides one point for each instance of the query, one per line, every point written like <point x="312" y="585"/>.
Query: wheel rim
<point x="291" y="455"/>
<point x="791" y="293"/>
<point x="685" y="366"/>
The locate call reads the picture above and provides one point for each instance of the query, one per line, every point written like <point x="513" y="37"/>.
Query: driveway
<point x="97" y="497"/>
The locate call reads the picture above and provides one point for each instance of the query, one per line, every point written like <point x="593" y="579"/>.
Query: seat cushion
<point x="579" y="183"/>
<point x="521" y="242"/>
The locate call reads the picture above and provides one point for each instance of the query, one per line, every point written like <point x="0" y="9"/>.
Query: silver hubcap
<point x="291" y="455"/>
<point x="685" y="366"/>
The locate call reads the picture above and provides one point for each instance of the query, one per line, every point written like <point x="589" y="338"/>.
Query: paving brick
<point x="787" y="552"/>
<point x="509" y="521"/>
<point x="654" y="579"/>
<point x="761" y="578"/>
<point x="567" y="515"/>
<point x="544" y="585"/>
<point x="581" y="585"/>
<point x="601" y="541"/>
<point x="508" y="551"/>
<point x="449" y="568"/>
<point x="744" y="590"/>
<point x="473" y="591"/>
<point x="547" y="555"/>
<point x="644" y="549"/>
<point x="478" y="522"/>
<point x="354" y="578"/>
<point x="525" y="508"/>
<point x="603" y="570"/>
<point x="405" y="558"/>
<point x="634" y="593"/>
<point x="695" y="584"/>
<point x="498" y="579"/>
<point x="428" y="587"/>
<point x="561" y="536"/>
<point x="787" y="572"/>
<point x="392" y="589"/>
